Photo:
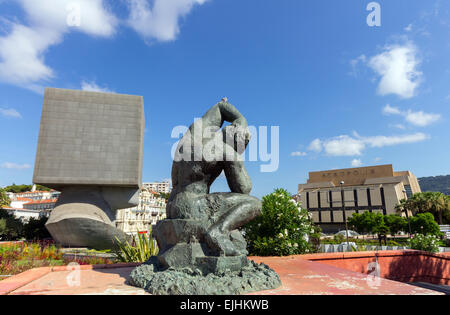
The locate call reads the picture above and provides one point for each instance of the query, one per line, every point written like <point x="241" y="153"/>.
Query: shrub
<point x="11" y="229"/>
<point x="140" y="250"/>
<point x="428" y="243"/>
<point x="396" y="223"/>
<point x="4" y="199"/>
<point x="283" y="228"/>
<point x="424" y="223"/>
<point x="35" y="229"/>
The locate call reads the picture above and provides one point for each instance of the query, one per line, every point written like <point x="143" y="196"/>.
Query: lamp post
<point x="343" y="212"/>
<point x="407" y="214"/>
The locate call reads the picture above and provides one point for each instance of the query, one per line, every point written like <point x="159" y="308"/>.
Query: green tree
<point x="164" y="195"/>
<point x="283" y="228"/>
<point x="24" y="188"/>
<point x="4" y="199"/>
<point x="355" y="222"/>
<point x="11" y="229"/>
<point x="371" y="223"/>
<point x="35" y="229"/>
<point x="424" y="223"/>
<point x="435" y="203"/>
<point x="396" y="223"/>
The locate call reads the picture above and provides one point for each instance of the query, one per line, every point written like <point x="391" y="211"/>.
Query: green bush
<point x="283" y="228"/>
<point x="140" y="250"/>
<point x="4" y="199"/>
<point x="396" y="223"/>
<point x="424" y="223"/>
<point x="35" y="229"/>
<point x="11" y="229"/>
<point x="428" y="243"/>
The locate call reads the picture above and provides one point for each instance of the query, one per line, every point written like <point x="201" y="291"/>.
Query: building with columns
<point x="159" y="187"/>
<point x="374" y="188"/>
<point x="151" y="209"/>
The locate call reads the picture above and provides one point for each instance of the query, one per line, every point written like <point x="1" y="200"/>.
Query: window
<point x="408" y="191"/>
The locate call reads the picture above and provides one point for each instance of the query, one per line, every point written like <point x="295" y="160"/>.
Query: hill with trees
<point x="436" y="183"/>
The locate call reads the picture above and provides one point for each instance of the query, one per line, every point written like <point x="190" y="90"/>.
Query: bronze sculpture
<point x="201" y="249"/>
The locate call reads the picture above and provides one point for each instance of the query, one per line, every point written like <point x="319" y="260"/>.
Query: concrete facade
<point x="90" y="148"/>
<point x="90" y="138"/>
<point x="375" y="188"/>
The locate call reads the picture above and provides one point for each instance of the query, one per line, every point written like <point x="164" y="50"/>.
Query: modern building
<point x="32" y="204"/>
<point x="151" y="209"/>
<point x="37" y="195"/>
<point x="159" y="187"/>
<point x="374" y="188"/>
<point x="23" y="214"/>
<point x="45" y="206"/>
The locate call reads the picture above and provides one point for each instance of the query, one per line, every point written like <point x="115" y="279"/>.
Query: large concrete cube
<point x="90" y="148"/>
<point x="90" y="138"/>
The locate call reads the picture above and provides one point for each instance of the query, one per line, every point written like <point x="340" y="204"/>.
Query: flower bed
<point x="17" y="258"/>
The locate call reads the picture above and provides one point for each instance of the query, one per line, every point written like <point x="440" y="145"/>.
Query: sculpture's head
<point x="238" y="137"/>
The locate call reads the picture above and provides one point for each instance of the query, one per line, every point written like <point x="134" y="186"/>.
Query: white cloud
<point x="397" y="66"/>
<point x="355" y="62"/>
<point x="408" y="28"/>
<point x="161" y="21"/>
<point x="94" y="87"/>
<point x="399" y="126"/>
<point x="21" y="55"/>
<point x="343" y="146"/>
<point x="316" y="145"/>
<point x="95" y="18"/>
<point x="10" y="112"/>
<point x="299" y="154"/>
<point x="22" y="50"/>
<point x="388" y="110"/>
<point x="354" y="146"/>
<point x="419" y="118"/>
<point x="15" y="166"/>
<point x="357" y="163"/>
<point x="384" y="141"/>
<point x="422" y="119"/>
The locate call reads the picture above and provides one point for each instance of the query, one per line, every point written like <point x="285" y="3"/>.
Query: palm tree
<point x="439" y="204"/>
<point x="434" y="202"/>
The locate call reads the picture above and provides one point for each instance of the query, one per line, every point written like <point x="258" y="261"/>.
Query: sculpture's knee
<point x="255" y="205"/>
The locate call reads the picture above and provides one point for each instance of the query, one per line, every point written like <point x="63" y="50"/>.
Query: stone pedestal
<point x="186" y="265"/>
<point x="181" y="244"/>
<point x="84" y="217"/>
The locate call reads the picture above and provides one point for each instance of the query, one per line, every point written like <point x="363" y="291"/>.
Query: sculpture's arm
<point x="237" y="177"/>
<point x="223" y="111"/>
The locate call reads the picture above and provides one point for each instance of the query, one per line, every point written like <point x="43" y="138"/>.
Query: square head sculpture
<point x="90" y="148"/>
<point x="90" y="138"/>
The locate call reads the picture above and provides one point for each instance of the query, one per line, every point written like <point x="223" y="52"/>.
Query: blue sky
<point x="342" y="93"/>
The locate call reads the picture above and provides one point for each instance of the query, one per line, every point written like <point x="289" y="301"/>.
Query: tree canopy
<point x="4" y="199"/>
<point x="24" y="188"/>
<point x="435" y="203"/>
